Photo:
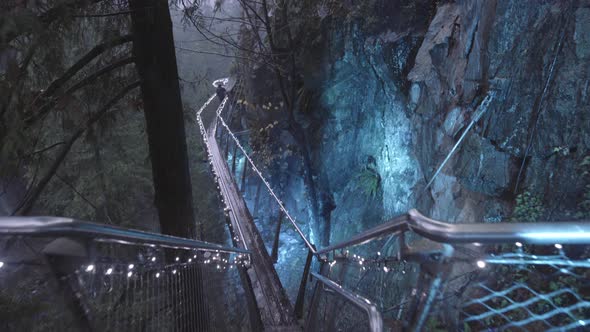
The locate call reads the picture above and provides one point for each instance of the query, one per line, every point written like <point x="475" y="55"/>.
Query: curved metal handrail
<point x="375" y="319"/>
<point x="533" y="233"/>
<point x="54" y="226"/>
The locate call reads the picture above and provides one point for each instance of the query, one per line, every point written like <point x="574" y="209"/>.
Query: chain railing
<point x="422" y="274"/>
<point x="61" y="275"/>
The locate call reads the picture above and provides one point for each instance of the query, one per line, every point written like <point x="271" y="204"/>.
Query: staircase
<point x="411" y="273"/>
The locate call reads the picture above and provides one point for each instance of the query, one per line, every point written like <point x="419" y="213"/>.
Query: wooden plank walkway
<point x="275" y="308"/>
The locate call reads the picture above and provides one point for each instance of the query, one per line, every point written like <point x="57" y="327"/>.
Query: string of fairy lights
<point x="262" y="178"/>
<point x="364" y="263"/>
<point x="218" y="261"/>
<point x="203" y="131"/>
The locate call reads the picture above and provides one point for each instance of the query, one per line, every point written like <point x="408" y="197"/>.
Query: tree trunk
<point x="153" y="49"/>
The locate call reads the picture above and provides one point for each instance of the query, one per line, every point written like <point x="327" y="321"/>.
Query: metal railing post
<point x="64" y="256"/>
<point x="315" y="297"/>
<point x="226" y="150"/>
<point x="301" y="294"/>
<point x="275" y="245"/>
<point x="435" y="276"/>
<point x="244" y="171"/>
<point x="234" y="158"/>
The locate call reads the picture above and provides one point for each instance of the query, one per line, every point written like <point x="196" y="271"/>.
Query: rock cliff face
<point x="391" y="87"/>
<point x="535" y="133"/>
<point x="395" y="96"/>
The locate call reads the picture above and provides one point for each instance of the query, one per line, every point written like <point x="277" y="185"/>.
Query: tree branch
<point x="45" y="149"/>
<point x="71" y="186"/>
<point x="51" y="15"/>
<point x="125" y="12"/>
<point x="26" y="207"/>
<point x="87" y="80"/>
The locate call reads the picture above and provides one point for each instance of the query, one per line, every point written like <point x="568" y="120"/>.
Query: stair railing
<point x="458" y="265"/>
<point x="114" y="279"/>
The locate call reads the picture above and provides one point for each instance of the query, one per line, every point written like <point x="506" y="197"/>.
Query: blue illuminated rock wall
<point x="365" y="148"/>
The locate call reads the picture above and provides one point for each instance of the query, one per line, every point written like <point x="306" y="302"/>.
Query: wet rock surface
<point x="389" y="88"/>
<point x="404" y="95"/>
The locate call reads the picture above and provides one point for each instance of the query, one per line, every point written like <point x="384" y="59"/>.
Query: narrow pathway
<point x="275" y="308"/>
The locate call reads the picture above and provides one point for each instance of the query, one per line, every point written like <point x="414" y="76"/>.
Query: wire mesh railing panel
<point x="28" y="300"/>
<point x="530" y="288"/>
<point x="377" y="272"/>
<point x="333" y="313"/>
<point x="516" y="287"/>
<point x="112" y="286"/>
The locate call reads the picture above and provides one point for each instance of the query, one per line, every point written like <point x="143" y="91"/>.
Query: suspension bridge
<point x="411" y="273"/>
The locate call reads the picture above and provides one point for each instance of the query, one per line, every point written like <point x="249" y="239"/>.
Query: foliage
<point x="435" y="325"/>
<point x="369" y="181"/>
<point x="584" y="206"/>
<point x="261" y="141"/>
<point x="529" y="208"/>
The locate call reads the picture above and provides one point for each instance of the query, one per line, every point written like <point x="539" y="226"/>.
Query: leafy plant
<point x="584" y="206"/>
<point x="369" y="181"/>
<point x="528" y="207"/>
<point x="435" y="325"/>
<point x="264" y="144"/>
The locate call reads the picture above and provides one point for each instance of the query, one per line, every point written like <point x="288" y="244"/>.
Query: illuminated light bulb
<point x="582" y="322"/>
<point x="378" y="253"/>
<point x="190" y="260"/>
<point x="158" y="275"/>
<point x="518" y="244"/>
<point x="195" y="256"/>
<point x="218" y="266"/>
<point x="1" y="264"/>
<point x="153" y="259"/>
<point x="173" y="271"/>
<point x="89" y="268"/>
<point x="129" y="274"/>
<point x="481" y="264"/>
<point x="361" y="262"/>
<point x="109" y="271"/>
<point x="558" y="246"/>
<point x="131" y="266"/>
<point x="177" y="259"/>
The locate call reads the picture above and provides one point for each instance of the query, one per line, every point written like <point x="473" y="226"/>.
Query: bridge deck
<point x="275" y="308"/>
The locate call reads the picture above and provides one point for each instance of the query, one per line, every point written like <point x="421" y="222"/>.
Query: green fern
<point x="529" y="208"/>
<point x="584" y="206"/>
<point x="369" y="182"/>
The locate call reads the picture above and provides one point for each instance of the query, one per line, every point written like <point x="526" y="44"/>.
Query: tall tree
<point x="153" y="49"/>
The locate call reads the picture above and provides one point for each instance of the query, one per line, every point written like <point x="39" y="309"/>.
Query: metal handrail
<point x="264" y="181"/>
<point x="54" y="226"/>
<point x="532" y="233"/>
<point x="375" y="319"/>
